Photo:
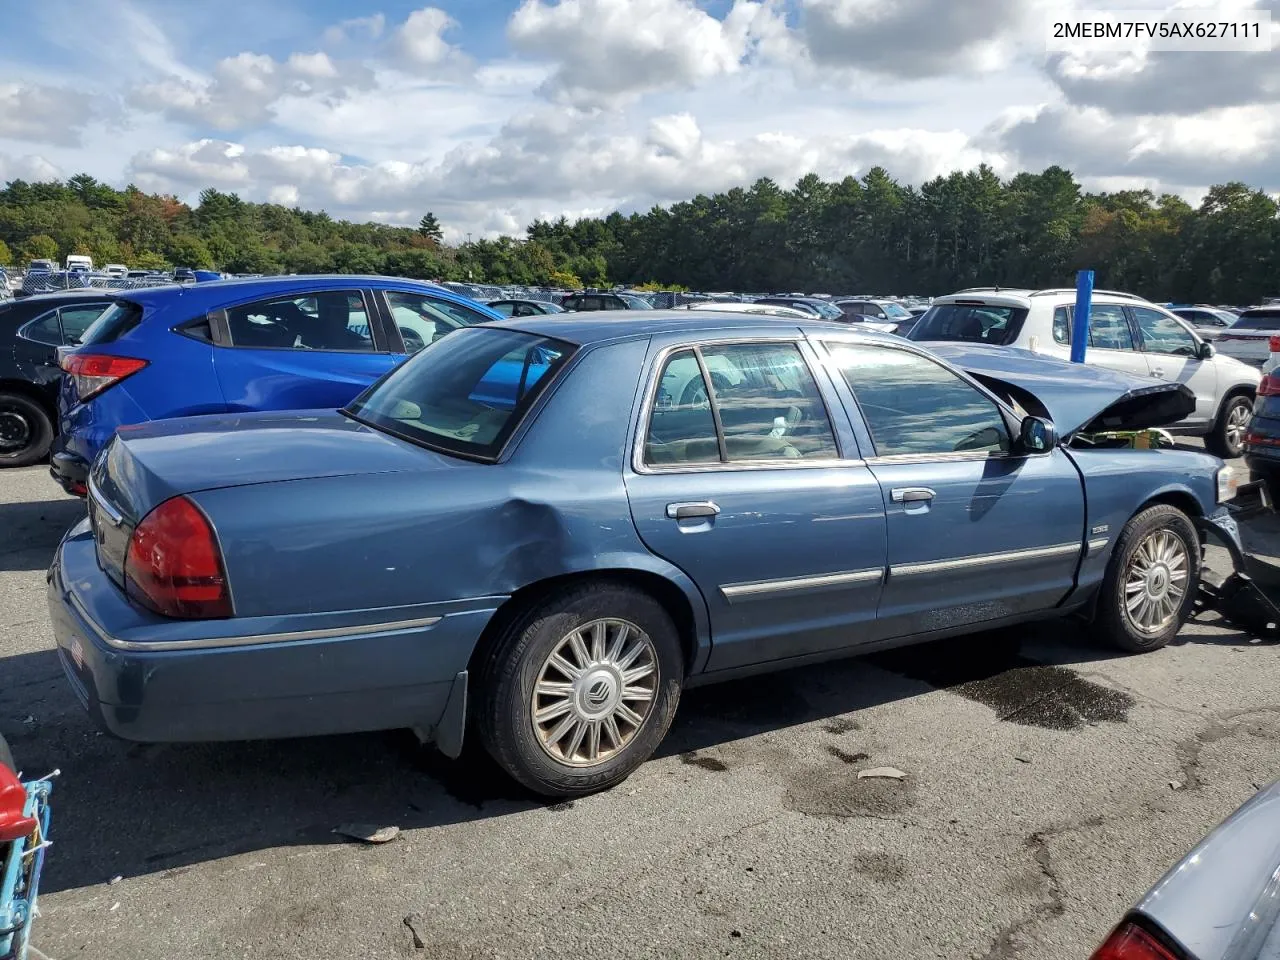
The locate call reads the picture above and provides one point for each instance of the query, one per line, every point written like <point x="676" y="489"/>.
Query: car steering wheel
<point x="413" y="341"/>
<point x="695" y="393"/>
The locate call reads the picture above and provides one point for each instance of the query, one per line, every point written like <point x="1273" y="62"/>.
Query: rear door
<point x="976" y="531"/>
<point x="743" y="479"/>
<point x="1173" y="353"/>
<point x="300" y="351"/>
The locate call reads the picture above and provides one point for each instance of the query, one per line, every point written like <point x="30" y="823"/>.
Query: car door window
<point x="762" y="398"/>
<point x="1108" y="328"/>
<point x="1163" y="334"/>
<point x="423" y="319"/>
<point x="44" y="329"/>
<point x="1061" y="325"/>
<point x="76" y="320"/>
<point x="914" y="405"/>
<point x="682" y="429"/>
<point x="330" y="320"/>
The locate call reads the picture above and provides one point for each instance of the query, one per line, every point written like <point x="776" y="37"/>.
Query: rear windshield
<point x="466" y="393"/>
<point x="970" y="323"/>
<point x="113" y="323"/>
<point x="1258" y="320"/>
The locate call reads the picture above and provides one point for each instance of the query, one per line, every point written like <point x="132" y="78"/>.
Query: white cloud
<point x="245" y="88"/>
<point x="43" y="114"/>
<point x="372" y="26"/>
<point x="29" y="167"/>
<point x="421" y="45"/>
<point x="610" y="52"/>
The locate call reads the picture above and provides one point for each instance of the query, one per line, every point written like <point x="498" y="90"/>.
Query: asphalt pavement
<point x="1048" y="783"/>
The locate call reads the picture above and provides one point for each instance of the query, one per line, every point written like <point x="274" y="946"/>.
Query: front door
<point x="975" y="531"/>
<point x="1173" y="353"/>
<point x="303" y="351"/>
<point x="740" y="481"/>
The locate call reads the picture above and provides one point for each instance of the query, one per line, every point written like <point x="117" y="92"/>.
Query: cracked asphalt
<point x="1048" y="784"/>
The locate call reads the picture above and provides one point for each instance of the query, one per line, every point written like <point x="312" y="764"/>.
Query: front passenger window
<point x="1163" y="334"/>
<point x="914" y="405"/>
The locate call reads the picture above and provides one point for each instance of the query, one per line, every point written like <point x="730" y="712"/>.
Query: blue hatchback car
<point x="543" y="530"/>
<point x="234" y="346"/>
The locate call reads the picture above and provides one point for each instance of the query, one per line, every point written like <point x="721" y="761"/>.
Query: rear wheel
<point x="1151" y="582"/>
<point x="579" y="691"/>
<point x="1226" y="440"/>
<point x="26" y="432"/>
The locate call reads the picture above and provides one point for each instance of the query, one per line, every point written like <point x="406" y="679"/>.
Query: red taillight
<point x="1274" y="344"/>
<point x="94" y="372"/>
<point x="1270" y="386"/>
<point x="174" y="566"/>
<point x="1131" y="942"/>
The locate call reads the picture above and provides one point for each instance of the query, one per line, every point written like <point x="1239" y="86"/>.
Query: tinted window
<point x="1162" y="334"/>
<point x="113" y="323"/>
<point x="423" y="319"/>
<point x="1258" y="320"/>
<point x="466" y="393"/>
<point x="44" y="329"/>
<point x="970" y="323"/>
<point x="506" y="309"/>
<point x="681" y="426"/>
<point x="914" y="405"/>
<point x="636" y="303"/>
<point x="332" y="320"/>
<point x="76" y="320"/>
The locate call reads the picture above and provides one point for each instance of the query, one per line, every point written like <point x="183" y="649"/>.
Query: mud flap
<point x="1239" y="599"/>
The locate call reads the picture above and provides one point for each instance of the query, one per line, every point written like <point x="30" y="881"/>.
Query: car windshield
<point x="636" y="303"/>
<point x="465" y="393"/>
<point x="895" y="312"/>
<point x="827" y="311"/>
<point x="970" y="323"/>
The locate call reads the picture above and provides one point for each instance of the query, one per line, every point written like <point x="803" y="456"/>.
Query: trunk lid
<point x="1077" y="397"/>
<point x="148" y="463"/>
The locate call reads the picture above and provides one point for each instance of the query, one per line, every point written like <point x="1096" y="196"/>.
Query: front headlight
<point x="1228" y="483"/>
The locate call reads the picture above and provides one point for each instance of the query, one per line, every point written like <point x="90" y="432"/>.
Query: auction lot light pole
<point x="1080" y="321"/>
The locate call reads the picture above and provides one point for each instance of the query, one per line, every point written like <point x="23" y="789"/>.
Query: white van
<point x="78" y="261"/>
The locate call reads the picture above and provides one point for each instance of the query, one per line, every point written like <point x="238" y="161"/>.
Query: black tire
<point x="1219" y="441"/>
<point x="1113" y="619"/>
<point x="510" y="669"/>
<point x="23" y="421"/>
<point x="6" y="756"/>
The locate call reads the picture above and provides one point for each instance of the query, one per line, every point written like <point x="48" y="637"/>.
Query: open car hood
<point x="1077" y="397"/>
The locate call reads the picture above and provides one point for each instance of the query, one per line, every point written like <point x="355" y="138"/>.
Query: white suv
<point x="1125" y="333"/>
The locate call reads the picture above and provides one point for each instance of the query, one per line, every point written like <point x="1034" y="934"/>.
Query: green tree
<point x="5" y="256"/>
<point x="429" y="227"/>
<point x="39" y="247"/>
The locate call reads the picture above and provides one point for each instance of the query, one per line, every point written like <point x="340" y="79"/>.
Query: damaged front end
<point x="1244" y="598"/>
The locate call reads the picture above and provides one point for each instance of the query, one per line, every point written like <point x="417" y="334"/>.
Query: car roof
<point x="212" y="291"/>
<point x="54" y="297"/>
<point x="1022" y="297"/>
<point x="588" y="330"/>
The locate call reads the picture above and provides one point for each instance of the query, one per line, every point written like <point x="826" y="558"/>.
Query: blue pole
<point x="1080" y="323"/>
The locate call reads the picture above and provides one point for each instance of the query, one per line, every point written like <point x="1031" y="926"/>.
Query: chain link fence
<point x="59" y="281"/>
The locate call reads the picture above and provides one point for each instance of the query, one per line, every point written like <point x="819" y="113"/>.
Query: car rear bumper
<point x="70" y="470"/>
<point x="149" y="679"/>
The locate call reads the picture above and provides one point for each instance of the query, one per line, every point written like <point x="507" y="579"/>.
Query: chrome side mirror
<point x="1037" y="435"/>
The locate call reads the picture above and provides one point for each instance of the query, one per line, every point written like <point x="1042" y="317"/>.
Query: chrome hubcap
<point x="594" y="692"/>
<point x="15" y="432"/>
<point x="1156" y="581"/>
<point x="1237" y="420"/>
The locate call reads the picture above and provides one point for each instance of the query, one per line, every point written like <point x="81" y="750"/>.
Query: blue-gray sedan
<point x="544" y="529"/>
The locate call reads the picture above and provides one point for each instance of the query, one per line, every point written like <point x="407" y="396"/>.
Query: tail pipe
<point x="1241" y="599"/>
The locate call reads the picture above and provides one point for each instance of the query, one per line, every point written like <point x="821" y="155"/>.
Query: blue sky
<point x="493" y="112"/>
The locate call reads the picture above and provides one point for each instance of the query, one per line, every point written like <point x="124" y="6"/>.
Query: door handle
<point x="911" y="494"/>
<point x="692" y="510"/>
<point x="1158" y="372"/>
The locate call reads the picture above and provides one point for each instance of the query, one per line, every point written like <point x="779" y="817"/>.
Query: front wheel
<point x="1226" y="440"/>
<point x="1151" y="582"/>
<point x="580" y="690"/>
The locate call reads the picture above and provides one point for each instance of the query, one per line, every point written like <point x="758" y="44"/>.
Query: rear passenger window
<point x="762" y="397"/>
<point x="1061" y="325"/>
<point x="1108" y="328"/>
<point x="914" y="406"/>
<point x="331" y="320"/>
<point x="44" y="329"/>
